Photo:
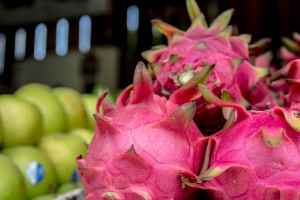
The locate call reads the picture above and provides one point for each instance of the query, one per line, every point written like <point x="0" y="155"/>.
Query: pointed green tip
<point x="272" y="136"/>
<point x="142" y="83"/>
<point x="199" y="22"/>
<point x="151" y="55"/>
<point x="261" y="72"/>
<point x="193" y="9"/>
<point x="166" y="29"/>
<point x="245" y="37"/>
<point x="292" y="45"/>
<point x="187" y="112"/>
<point x="237" y="62"/>
<point x="226" y="33"/>
<point x="292" y="117"/>
<point x="131" y="150"/>
<point x="99" y="110"/>
<point x="222" y="20"/>
<point x="213" y="172"/>
<point x="226" y="96"/>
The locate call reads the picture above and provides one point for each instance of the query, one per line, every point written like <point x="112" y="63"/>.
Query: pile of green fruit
<point x="43" y="130"/>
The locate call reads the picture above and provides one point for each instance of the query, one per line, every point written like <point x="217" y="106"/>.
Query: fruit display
<point x="43" y="130"/>
<point x="211" y="118"/>
<point x="208" y="116"/>
<point x="60" y="147"/>
<point x="21" y="121"/>
<point x="12" y="182"/>
<point x="36" y="167"/>
<point x="141" y="146"/>
<point x="52" y="111"/>
<point x="73" y="107"/>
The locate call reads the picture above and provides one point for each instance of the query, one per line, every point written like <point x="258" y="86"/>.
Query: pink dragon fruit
<point x="291" y="49"/>
<point x="174" y="65"/>
<point x="292" y="74"/>
<point x="255" y="156"/>
<point x="141" y="145"/>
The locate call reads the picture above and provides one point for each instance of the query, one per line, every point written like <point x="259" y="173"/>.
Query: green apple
<point x="90" y="102"/>
<point x="12" y="183"/>
<point x="84" y="133"/>
<point x="73" y="106"/>
<point x="36" y="167"/>
<point x="41" y="95"/>
<point x="21" y="121"/>
<point x="63" y="149"/>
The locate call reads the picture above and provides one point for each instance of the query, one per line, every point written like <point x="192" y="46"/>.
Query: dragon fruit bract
<point x="141" y="146"/>
<point x="174" y="65"/>
<point x="291" y="49"/>
<point x="257" y="158"/>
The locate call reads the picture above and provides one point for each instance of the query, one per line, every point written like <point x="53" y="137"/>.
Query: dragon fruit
<point x="291" y="49"/>
<point x="174" y="65"/>
<point x="254" y="157"/>
<point x="141" y="145"/>
<point x="292" y="74"/>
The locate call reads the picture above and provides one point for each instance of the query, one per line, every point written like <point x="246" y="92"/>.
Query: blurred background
<point x="80" y="43"/>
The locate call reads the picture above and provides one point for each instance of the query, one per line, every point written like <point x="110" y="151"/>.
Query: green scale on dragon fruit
<point x="142" y="144"/>
<point x="201" y="45"/>
<point x="254" y="157"/>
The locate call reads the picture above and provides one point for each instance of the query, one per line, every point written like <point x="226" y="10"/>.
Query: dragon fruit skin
<point x="292" y="74"/>
<point x="189" y="51"/>
<point x="141" y="146"/>
<point x="255" y="157"/>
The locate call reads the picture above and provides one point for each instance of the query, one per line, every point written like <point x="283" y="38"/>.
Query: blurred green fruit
<point x="45" y="197"/>
<point x="1" y="131"/>
<point x="37" y="168"/>
<point x="41" y="95"/>
<point x="63" y="149"/>
<point x="21" y="121"/>
<point x="73" y="106"/>
<point x="67" y="187"/>
<point x="85" y="134"/>
<point x="12" y="183"/>
<point x="90" y="102"/>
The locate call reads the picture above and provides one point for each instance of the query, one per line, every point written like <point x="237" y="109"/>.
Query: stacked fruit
<point x="209" y="118"/>
<point x="43" y="131"/>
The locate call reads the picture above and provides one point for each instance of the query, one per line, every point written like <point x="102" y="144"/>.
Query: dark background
<point x="259" y="18"/>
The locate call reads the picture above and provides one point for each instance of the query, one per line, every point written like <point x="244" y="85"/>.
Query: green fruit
<point x="12" y="184"/>
<point x="67" y="187"/>
<point x="1" y="131"/>
<point x="21" y="121"/>
<point x="73" y="106"/>
<point x="36" y="167"/>
<point x="85" y="134"/>
<point x="54" y="118"/>
<point x="63" y="149"/>
<point x="90" y="102"/>
<point x="45" y="197"/>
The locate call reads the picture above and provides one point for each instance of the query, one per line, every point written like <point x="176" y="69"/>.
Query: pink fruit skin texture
<point x="200" y="45"/>
<point x="140" y="146"/>
<point x="292" y="74"/>
<point x="257" y="158"/>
